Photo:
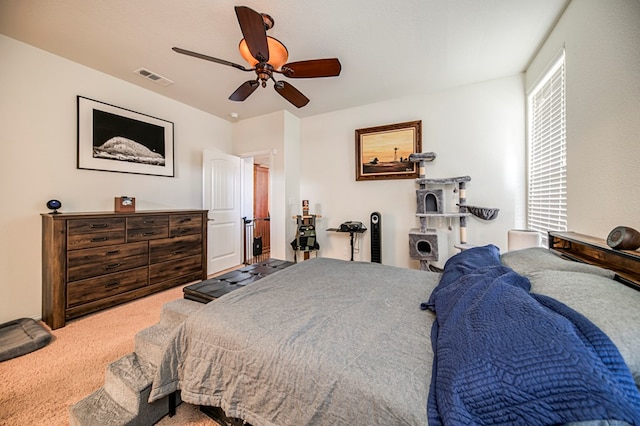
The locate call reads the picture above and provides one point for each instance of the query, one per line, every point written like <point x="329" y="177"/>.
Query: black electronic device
<point x="54" y="205"/>
<point x="376" y="237"/>
<point x="352" y="226"/>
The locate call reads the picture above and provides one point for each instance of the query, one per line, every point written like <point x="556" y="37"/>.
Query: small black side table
<point x="352" y="233"/>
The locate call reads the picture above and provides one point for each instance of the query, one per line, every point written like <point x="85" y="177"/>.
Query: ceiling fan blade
<point x="209" y="58"/>
<point x="313" y="68"/>
<point x="291" y="94"/>
<point x="254" y="32"/>
<point x="243" y="92"/>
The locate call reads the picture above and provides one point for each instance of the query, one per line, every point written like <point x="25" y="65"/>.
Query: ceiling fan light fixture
<point x="267" y="56"/>
<point x="278" y="54"/>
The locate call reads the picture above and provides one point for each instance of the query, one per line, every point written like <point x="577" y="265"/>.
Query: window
<point x="547" y="162"/>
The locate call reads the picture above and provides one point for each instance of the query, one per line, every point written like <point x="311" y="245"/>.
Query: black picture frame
<point x="115" y="139"/>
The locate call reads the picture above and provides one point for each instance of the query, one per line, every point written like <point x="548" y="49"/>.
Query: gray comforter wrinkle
<point x="303" y="346"/>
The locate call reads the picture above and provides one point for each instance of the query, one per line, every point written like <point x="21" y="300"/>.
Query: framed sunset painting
<point x="382" y="152"/>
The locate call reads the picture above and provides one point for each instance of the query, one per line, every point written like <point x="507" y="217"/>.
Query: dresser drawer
<point x="165" y="271"/>
<point x="91" y="226"/>
<point x="185" y="224"/>
<point x="147" y="228"/>
<point x="93" y="289"/>
<point x="92" y="262"/>
<point x="85" y="233"/>
<point x="174" y="248"/>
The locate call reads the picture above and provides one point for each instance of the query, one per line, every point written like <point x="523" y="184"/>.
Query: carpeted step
<point x="150" y="341"/>
<point x="99" y="409"/>
<point x="123" y="398"/>
<point x="174" y="313"/>
<point x="128" y="382"/>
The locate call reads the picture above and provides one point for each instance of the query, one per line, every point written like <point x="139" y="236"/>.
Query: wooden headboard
<point x="595" y="251"/>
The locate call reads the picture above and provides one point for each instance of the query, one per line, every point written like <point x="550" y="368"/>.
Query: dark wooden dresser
<point x="595" y="251"/>
<point x="92" y="261"/>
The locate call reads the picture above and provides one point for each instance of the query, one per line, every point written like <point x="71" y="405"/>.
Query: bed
<point x="329" y="342"/>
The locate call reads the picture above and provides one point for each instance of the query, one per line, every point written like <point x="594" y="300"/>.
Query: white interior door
<point x="222" y="197"/>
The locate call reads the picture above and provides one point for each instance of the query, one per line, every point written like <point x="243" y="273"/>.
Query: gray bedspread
<point x="333" y="342"/>
<point x="323" y="342"/>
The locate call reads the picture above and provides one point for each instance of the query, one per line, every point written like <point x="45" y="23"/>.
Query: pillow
<point x="610" y="305"/>
<point x="535" y="259"/>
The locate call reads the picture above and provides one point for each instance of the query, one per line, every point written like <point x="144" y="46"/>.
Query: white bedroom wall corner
<point x="45" y="127"/>
<point x="292" y="176"/>
<point x="518" y="156"/>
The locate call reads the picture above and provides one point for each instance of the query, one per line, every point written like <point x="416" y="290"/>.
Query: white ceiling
<point x="388" y="49"/>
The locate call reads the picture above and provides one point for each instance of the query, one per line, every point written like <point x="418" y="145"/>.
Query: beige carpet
<point x="38" y="388"/>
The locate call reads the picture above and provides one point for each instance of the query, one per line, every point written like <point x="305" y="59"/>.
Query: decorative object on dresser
<point x="624" y="238"/>
<point x="92" y="261"/>
<point x="54" y="205"/>
<point x="125" y="204"/>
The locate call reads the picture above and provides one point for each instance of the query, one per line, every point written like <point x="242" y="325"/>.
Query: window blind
<point x="547" y="175"/>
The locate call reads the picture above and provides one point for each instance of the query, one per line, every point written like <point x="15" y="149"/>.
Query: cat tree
<point x="423" y="241"/>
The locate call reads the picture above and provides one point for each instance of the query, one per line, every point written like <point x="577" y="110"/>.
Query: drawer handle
<point x="146" y="234"/>
<point x="98" y="225"/>
<point x="112" y="284"/>
<point x="187" y="219"/>
<point x="115" y="265"/>
<point x="178" y="252"/>
<point x="148" y="222"/>
<point x="97" y="239"/>
<point x="113" y="252"/>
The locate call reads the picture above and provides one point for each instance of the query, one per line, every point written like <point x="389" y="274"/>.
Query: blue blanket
<point x="506" y="356"/>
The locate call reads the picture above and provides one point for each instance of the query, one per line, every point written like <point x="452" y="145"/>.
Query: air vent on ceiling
<point x="156" y="78"/>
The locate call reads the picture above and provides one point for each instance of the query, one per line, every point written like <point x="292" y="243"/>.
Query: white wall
<point x="602" y="40"/>
<point x="278" y="132"/>
<point x="475" y="130"/>
<point x="38" y="159"/>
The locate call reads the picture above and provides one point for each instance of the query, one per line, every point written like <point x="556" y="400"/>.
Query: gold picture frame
<point x="382" y="152"/>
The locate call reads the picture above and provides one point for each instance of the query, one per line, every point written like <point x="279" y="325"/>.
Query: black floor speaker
<point x="376" y="237"/>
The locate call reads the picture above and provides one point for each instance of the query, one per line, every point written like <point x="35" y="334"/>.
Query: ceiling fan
<point x="267" y="56"/>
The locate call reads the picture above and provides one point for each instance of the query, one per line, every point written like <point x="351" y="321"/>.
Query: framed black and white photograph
<point x="115" y="139"/>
